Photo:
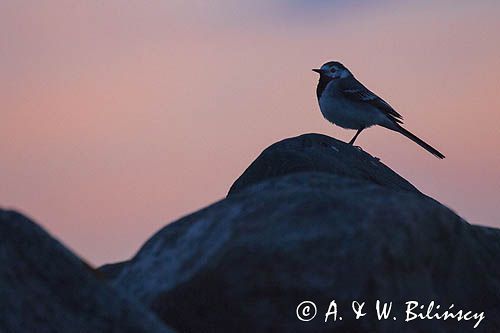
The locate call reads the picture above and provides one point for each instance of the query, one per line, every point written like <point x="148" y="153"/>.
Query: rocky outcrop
<point x="316" y="219"/>
<point x="319" y="153"/>
<point x="46" y="288"/>
<point x="311" y="219"/>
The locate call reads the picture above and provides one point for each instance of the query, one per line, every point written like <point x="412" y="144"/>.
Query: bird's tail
<point x="418" y="141"/>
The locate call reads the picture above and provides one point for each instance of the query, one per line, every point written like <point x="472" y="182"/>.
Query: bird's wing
<point x="355" y="91"/>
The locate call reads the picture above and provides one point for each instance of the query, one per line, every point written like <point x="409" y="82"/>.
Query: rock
<point x="110" y="271"/>
<point x="319" y="153"/>
<point x="316" y="219"/>
<point x="46" y="288"/>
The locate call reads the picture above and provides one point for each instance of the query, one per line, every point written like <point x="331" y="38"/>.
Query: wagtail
<point x="346" y="102"/>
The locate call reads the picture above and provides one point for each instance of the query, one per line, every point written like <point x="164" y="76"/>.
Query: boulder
<point x="46" y="288"/>
<point x="315" y="219"/>
<point x="319" y="153"/>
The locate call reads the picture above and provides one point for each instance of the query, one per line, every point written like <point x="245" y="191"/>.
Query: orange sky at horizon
<point x="116" y="120"/>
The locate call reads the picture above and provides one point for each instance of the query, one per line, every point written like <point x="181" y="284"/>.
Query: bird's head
<point x="333" y="70"/>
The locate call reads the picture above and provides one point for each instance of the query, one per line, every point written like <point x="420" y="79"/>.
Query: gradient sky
<point x="118" y="117"/>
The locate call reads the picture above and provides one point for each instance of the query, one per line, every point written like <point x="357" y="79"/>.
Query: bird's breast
<point x="347" y="114"/>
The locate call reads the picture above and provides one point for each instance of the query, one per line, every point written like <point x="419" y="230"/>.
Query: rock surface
<point x="45" y="288"/>
<point x="319" y="153"/>
<point x="316" y="219"/>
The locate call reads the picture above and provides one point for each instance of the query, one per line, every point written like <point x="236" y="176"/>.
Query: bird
<point x="346" y="102"/>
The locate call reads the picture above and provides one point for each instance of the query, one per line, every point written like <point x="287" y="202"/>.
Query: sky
<point x="119" y="117"/>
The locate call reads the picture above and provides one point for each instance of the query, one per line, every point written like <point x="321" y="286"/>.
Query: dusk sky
<point x="118" y="117"/>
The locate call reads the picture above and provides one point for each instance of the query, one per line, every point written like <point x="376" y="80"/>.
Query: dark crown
<point x="334" y="63"/>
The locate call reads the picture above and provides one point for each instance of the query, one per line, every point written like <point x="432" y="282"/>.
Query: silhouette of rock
<point x="313" y="218"/>
<point x="45" y="288"/>
<point x="110" y="271"/>
<point x="319" y="153"/>
<point x="316" y="219"/>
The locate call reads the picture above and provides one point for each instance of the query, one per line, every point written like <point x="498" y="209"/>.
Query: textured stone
<point x="319" y="153"/>
<point x="315" y="219"/>
<point x="45" y="288"/>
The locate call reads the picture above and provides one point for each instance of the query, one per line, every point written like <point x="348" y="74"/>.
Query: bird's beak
<point x="317" y="70"/>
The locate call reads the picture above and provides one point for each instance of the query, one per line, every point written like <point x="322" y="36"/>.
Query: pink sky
<point x="118" y="118"/>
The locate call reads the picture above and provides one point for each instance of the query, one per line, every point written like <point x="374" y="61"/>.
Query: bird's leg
<point x="355" y="136"/>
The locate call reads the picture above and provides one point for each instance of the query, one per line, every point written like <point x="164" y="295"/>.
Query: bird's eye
<point x="332" y="70"/>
